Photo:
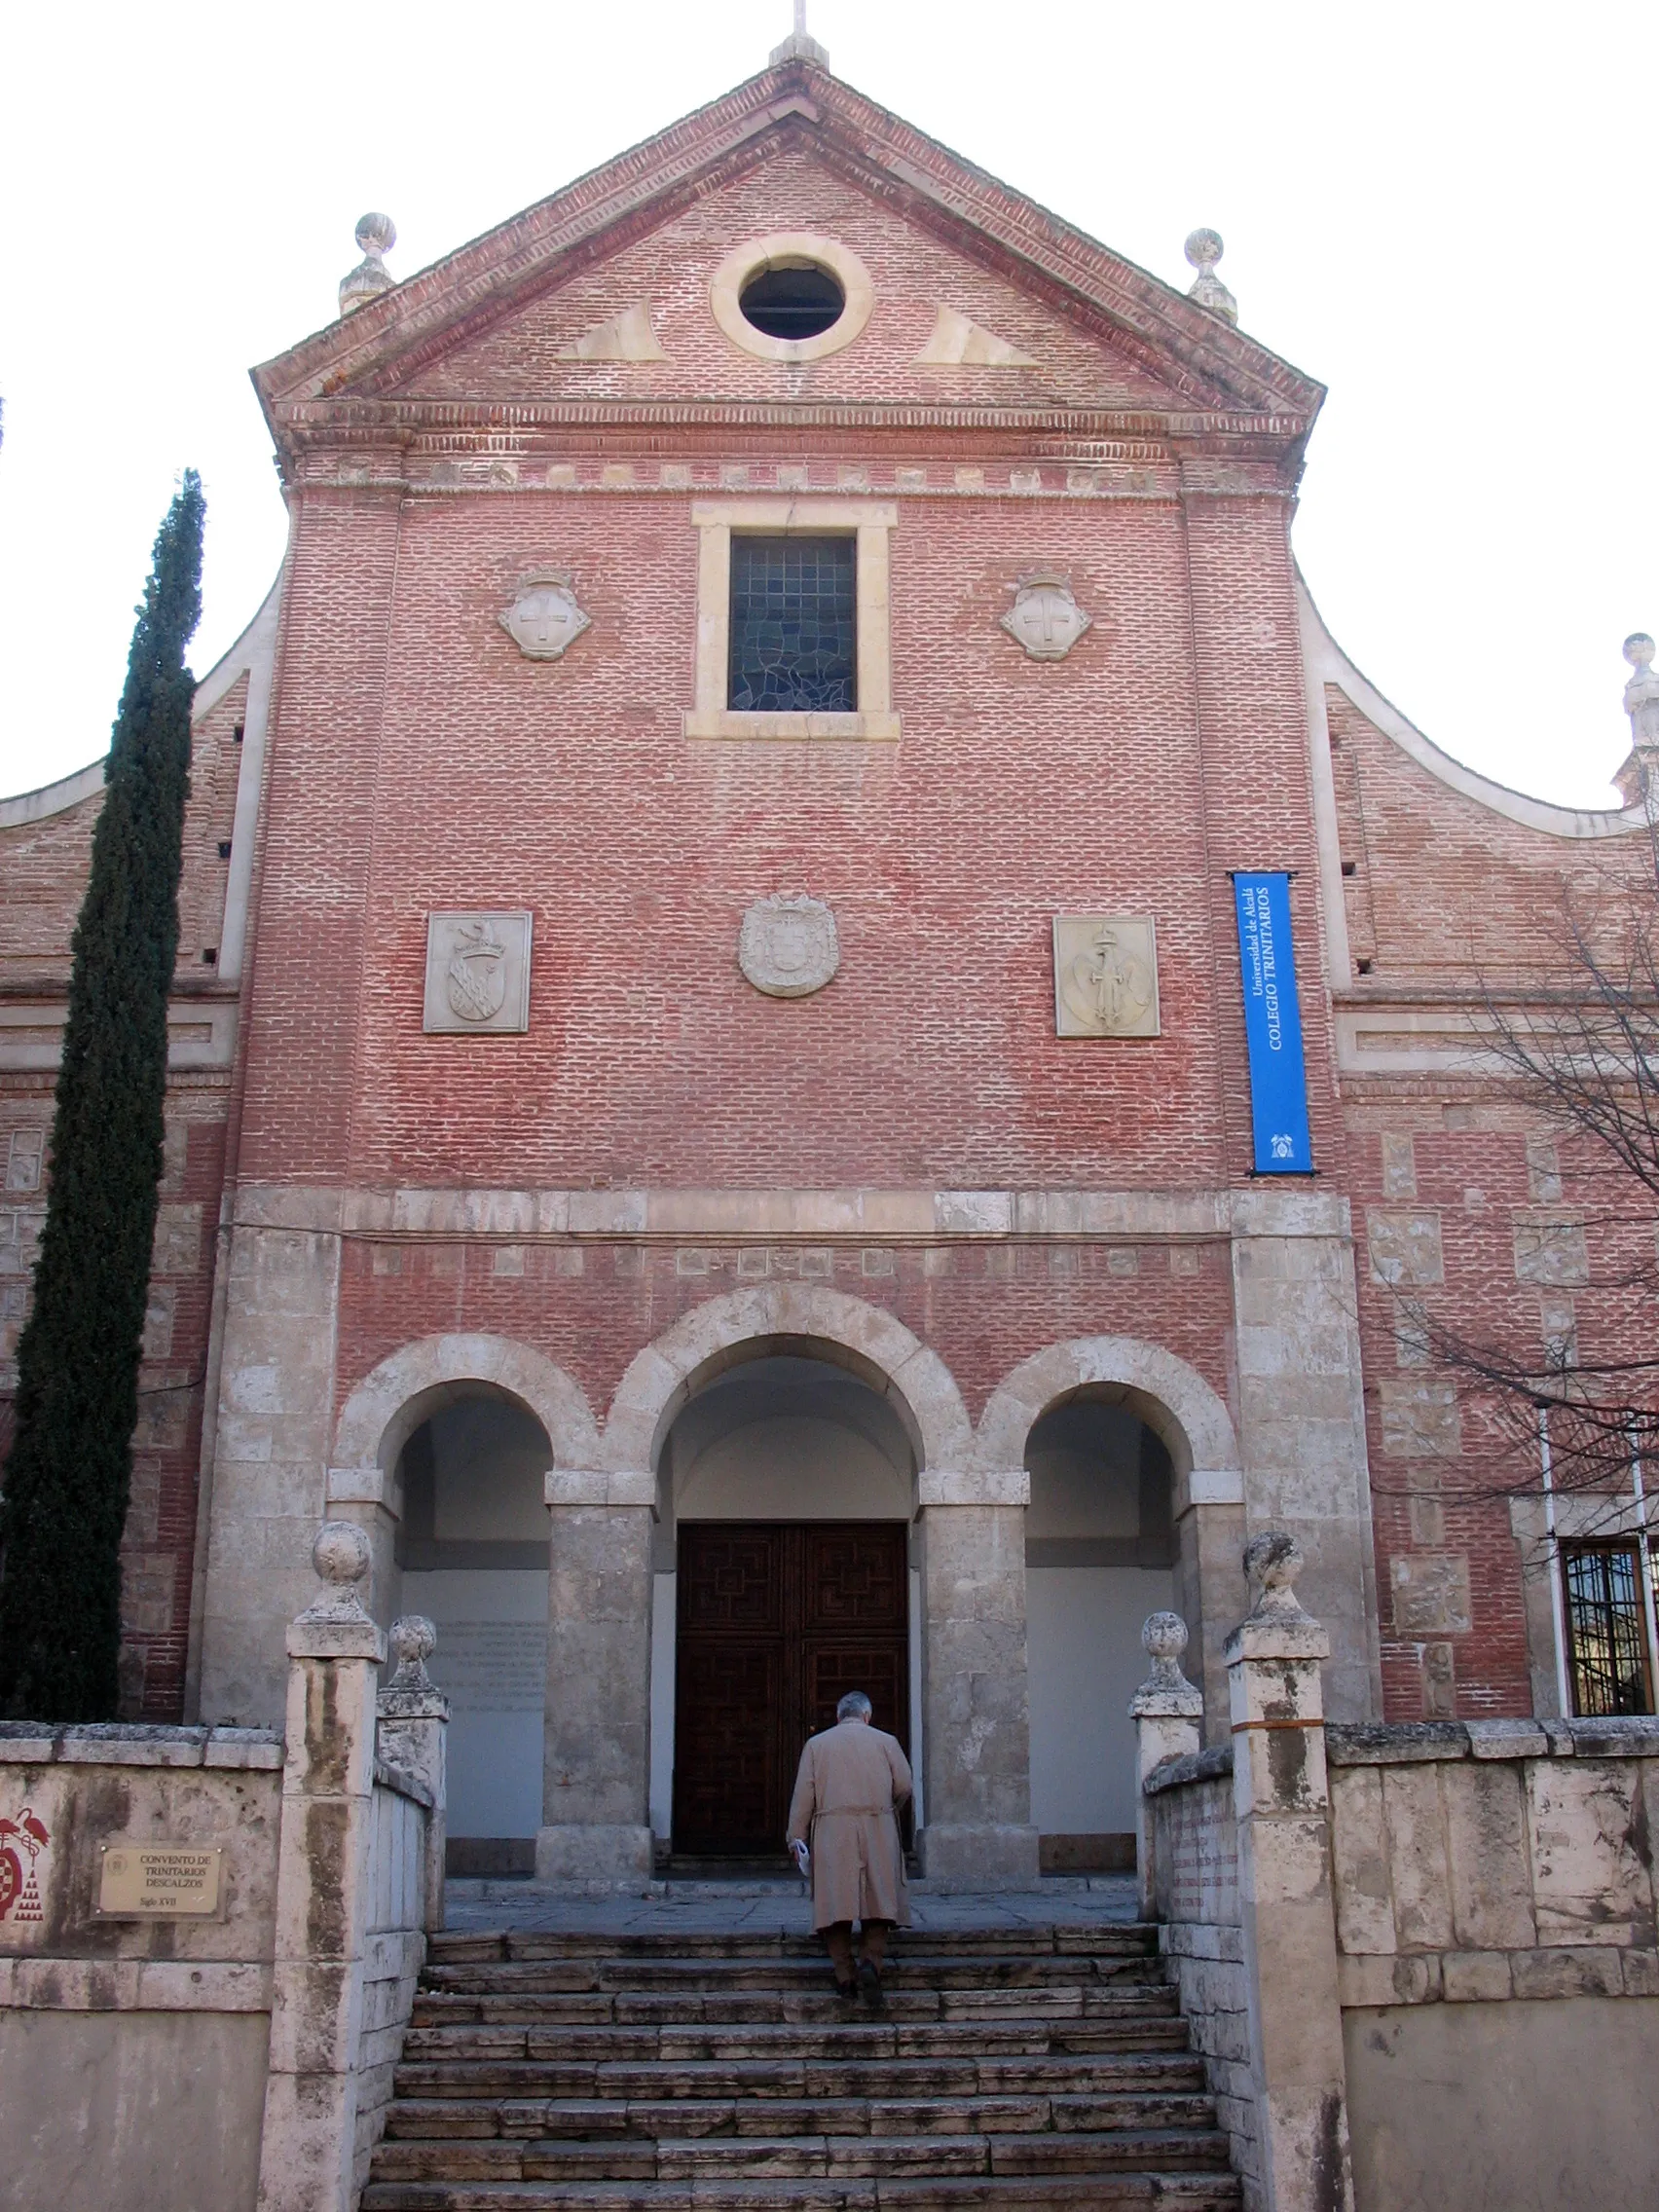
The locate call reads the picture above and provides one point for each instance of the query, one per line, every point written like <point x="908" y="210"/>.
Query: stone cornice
<point x="1188" y="350"/>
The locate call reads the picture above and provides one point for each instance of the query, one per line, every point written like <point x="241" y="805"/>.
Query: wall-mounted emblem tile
<point x="1105" y="975"/>
<point x="1045" y="618"/>
<point x="477" y="973"/>
<point x="544" y="618"/>
<point x="789" y="947"/>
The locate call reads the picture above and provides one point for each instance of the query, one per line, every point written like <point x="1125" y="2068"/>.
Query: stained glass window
<point x="793" y="633"/>
<point x="1607" y="1628"/>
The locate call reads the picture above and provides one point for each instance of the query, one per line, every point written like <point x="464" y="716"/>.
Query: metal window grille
<point x="794" y="629"/>
<point x="1607" y="1628"/>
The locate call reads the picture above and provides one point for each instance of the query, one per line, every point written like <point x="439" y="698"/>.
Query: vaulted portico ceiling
<point x="354" y="376"/>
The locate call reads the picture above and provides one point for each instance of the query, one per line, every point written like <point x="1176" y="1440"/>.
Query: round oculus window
<point x="793" y="295"/>
<point x="793" y="300"/>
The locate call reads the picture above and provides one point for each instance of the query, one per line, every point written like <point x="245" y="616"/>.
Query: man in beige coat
<point x="852" y="1781"/>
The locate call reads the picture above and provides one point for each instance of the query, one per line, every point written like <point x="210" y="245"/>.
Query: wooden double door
<point x="777" y="1621"/>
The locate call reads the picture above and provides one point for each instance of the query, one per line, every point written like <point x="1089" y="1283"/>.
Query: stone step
<point x="908" y="1970"/>
<point x="462" y="2053"/>
<point x="1071" y="1938"/>
<point x="591" y="2119"/>
<point x="857" y="2158"/>
<point x="1002" y="2193"/>
<point x="815" y="2002"/>
<point x="1127" y="2072"/>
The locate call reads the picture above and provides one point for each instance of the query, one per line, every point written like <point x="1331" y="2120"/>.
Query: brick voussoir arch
<point x="745" y="1324"/>
<point x="392" y="1399"/>
<point x="1172" y="1398"/>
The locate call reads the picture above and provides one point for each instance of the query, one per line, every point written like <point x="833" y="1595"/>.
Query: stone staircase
<point x="1009" y="2068"/>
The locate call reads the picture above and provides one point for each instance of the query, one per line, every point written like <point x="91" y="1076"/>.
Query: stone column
<point x="1167" y="1711"/>
<point x="596" y="1766"/>
<point x="412" y="1731"/>
<point x="1281" y="1798"/>
<point x="308" y="2142"/>
<point x="976" y="1714"/>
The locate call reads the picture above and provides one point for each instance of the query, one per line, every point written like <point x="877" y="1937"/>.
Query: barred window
<point x="1607" y="1628"/>
<point x="793" y="627"/>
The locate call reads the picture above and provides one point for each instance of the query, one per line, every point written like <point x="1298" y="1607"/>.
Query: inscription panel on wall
<point x="477" y="973"/>
<point x="492" y="1666"/>
<point x="1105" y="975"/>
<point x="160" y="1881"/>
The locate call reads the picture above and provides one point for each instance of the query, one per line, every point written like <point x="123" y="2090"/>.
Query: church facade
<point x="750" y="899"/>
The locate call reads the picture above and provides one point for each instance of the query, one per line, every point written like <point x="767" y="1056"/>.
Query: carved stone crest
<point x="545" y="617"/>
<point x="1045" y="618"/>
<point x="788" y="946"/>
<point x="1105" y="975"/>
<point x="477" y="973"/>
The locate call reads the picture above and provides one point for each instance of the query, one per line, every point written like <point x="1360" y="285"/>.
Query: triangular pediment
<point x="979" y="298"/>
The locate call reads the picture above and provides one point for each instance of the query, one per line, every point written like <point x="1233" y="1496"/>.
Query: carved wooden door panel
<point x="777" y="1621"/>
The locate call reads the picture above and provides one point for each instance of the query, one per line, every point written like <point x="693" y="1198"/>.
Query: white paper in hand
<point x="802" y="1859"/>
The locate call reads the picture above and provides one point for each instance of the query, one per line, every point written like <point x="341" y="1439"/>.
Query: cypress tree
<point x="69" y="1469"/>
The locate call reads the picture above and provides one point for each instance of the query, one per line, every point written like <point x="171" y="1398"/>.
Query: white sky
<point x="1444" y="212"/>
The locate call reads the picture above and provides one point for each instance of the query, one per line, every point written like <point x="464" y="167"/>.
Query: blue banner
<point x="1272" y="1026"/>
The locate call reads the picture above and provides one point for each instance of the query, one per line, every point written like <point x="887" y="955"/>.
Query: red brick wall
<point x="1445" y="892"/>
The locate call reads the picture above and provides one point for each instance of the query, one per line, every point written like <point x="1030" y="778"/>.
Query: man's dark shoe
<point x="869" y="1977"/>
<point x="845" y="1988"/>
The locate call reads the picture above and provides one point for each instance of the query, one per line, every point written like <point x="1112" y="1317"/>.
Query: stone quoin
<point x="710" y="1118"/>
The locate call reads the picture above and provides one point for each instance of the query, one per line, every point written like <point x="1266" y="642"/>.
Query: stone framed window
<point x="1607" y="1611"/>
<point x="793" y="627"/>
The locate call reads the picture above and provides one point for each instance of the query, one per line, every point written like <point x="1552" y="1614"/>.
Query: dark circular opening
<point x="792" y="303"/>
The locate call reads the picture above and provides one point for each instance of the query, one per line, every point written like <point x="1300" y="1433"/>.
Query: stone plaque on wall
<point x="477" y="973"/>
<point x="159" y="1881"/>
<point x="1105" y="975"/>
<point x="493" y="1666"/>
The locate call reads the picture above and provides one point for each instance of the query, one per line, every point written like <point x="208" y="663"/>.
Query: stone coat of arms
<point x="1105" y="975"/>
<point x="1045" y="618"/>
<point x="545" y="617"/>
<point x="477" y="972"/>
<point x="475" y="981"/>
<point x="788" y="946"/>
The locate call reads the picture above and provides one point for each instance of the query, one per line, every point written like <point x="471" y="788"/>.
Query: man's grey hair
<point x="855" y="1706"/>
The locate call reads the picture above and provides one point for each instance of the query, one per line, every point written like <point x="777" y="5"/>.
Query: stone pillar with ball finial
<point x="308" y="2141"/>
<point x="1203" y="249"/>
<point x="377" y="235"/>
<point x="1281" y="1801"/>
<point x="1168" y="1711"/>
<point x="412" y="1728"/>
<point x="1636" y="779"/>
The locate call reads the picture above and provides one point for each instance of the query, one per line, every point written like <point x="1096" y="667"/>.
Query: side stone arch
<point x="721" y="1331"/>
<point x="1171" y="1397"/>
<point x="1175" y="1401"/>
<point x="391" y="1402"/>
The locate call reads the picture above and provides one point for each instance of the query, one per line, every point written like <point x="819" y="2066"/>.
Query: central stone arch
<point x="743" y="1324"/>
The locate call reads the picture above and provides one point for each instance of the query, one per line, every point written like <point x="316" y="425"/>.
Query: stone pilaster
<point x="308" y="2141"/>
<point x="976" y="1714"/>
<point x="412" y="1731"/>
<point x="596" y="1769"/>
<point x="269" y="1477"/>
<point x="1168" y="1711"/>
<point x="1281" y="1799"/>
<point x="1302" y="1418"/>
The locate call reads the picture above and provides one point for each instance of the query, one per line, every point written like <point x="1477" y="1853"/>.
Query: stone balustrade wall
<point x="1195" y="1856"/>
<point x="208" y="2062"/>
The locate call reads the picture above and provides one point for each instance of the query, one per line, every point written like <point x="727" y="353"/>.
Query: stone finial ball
<point x="1272" y="1559"/>
<point x="413" y="1639"/>
<point x="1203" y="248"/>
<point x="375" y="233"/>
<point x="1164" y="1636"/>
<point x="1638" y="649"/>
<point x="341" y="1553"/>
